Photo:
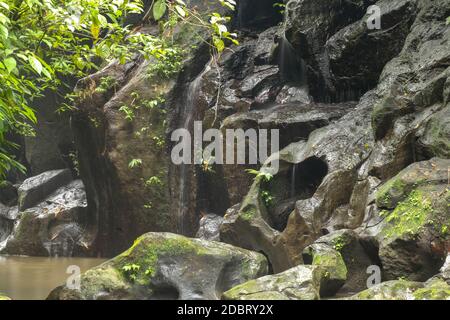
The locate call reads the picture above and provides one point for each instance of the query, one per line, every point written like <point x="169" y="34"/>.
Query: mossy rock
<point x="169" y="266"/>
<point x="397" y="189"/>
<point x="435" y="289"/>
<point x="299" y="283"/>
<point x="344" y="258"/>
<point x="406" y="290"/>
<point x="390" y="290"/>
<point x="332" y="262"/>
<point x="415" y="233"/>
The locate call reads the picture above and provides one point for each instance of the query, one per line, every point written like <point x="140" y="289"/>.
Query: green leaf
<point x="95" y="30"/>
<point x="219" y="44"/>
<point x="10" y="64"/>
<point x="159" y="9"/>
<point x="180" y="11"/>
<point x="35" y="64"/>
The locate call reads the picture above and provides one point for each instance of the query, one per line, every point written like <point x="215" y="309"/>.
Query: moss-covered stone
<point x="406" y="290"/>
<point x="299" y="283"/>
<point x="331" y="261"/>
<point x="391" y="290"/>
<point x="434" y="290"/>
<point x="409" y="216"/>
<point x="399" y="187"/>
<point x="414" y="236"/>
<point x="169" y="266"/>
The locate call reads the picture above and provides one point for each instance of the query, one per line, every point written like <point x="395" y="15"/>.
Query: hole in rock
<point x="292" y="183"/>
<point x="165" y="292"/>
<point x="212" y="194"/>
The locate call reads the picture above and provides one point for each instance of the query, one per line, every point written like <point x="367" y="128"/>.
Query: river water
<point x="32" y="278"/>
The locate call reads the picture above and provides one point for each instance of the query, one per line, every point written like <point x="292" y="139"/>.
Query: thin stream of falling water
<point x="190" y="98"/>
<point x="293" y="180"/>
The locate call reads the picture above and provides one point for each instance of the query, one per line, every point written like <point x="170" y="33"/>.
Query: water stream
<point x="190" y="109"/>
<point x="32" y="278"/>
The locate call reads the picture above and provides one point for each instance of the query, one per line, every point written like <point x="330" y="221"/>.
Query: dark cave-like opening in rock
<point x="294" y="182"/>
<point x="257" y="14"/>
<point x="212" y="194"/>
<point x="165" y="292"/>
<point x="307" y="176"/>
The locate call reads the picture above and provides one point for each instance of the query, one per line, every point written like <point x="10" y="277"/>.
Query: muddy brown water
<point x="32" y="278"/>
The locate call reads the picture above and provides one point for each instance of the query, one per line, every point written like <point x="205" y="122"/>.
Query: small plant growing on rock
<point x="134" y="163"/>
<point x="106" y="83"/>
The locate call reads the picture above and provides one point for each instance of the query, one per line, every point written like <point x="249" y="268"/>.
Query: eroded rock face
<point x="360" y="150"/>
<point x="168" y="266"/>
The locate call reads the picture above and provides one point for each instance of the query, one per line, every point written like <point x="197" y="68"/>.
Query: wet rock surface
<point x="159" y="266"/>
<point x="363" y="176"/>
<point x="50" y="220"/>
<point x="209" y="227"/>
<point x="299" y="283"/>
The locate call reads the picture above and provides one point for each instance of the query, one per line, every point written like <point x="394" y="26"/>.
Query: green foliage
<point x="131" y="271"/>
<point x="135" y="163"/>
<point x="280" y="6"/>
<point x="42" y="42"/>
<point x="339" y="243"/>
<point x="267" y="198"/>
<point x="128" y="112"/>
<point x="106" y="83"/>
<point x="265" y="176"/>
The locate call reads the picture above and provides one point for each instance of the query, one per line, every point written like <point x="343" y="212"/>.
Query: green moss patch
<point x="139" y="263"/>
<point x="409" y="216"/>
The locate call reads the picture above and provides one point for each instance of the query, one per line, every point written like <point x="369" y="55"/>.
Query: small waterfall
<point x="190" y="108"/>
<point x="292" y="67"/>
<point x="293" y="173"/>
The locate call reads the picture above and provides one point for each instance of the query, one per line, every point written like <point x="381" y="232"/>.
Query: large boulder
<point x="309" y="24"/>
<point x="415" y="237"/>
<point x="168" y="266"/>
<point x="344" y="257"/>
<point x="37" y="188"/>
<point x="331" y="260"/>
<point x="54" y="221"/>
<point x="406" y="290"/>
<point x="298" y="283"/>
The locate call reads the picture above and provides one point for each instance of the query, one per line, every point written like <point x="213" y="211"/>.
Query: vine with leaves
<point x="43" y="41"/>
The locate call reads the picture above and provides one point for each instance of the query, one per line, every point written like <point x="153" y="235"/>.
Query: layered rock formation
<point x="363" y="118"/>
